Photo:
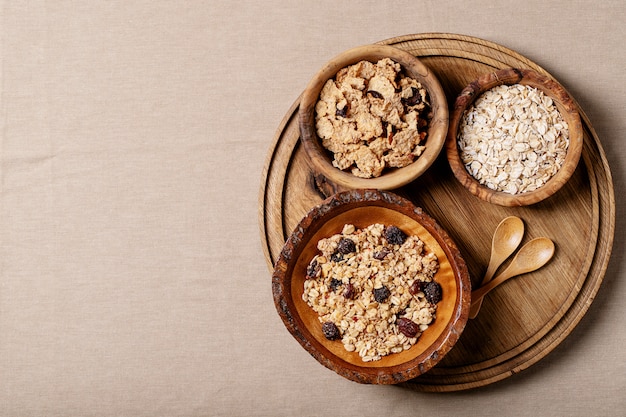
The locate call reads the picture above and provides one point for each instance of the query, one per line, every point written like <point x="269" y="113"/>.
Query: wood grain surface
<point x="521" y="321"/>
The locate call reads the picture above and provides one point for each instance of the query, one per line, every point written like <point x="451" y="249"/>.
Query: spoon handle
<point x="504" y="242"/>
<point x="539" y="250"/>
<point x="478" y="294"/>
<point x="476" y="304"/>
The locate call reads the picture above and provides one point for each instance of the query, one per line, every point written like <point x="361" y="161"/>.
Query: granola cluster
<point x="371" y="116"/>
<point x="373" y="289"/>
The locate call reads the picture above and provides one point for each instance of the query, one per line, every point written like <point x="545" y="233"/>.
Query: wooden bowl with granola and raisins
<point x="372" y="287"/>
<point x="515" y="137"/>
<point x="373" y="117"/>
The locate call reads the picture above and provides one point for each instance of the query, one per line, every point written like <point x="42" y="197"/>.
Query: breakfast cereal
<point x="373" y="289"/>
<point x="371" y="117"/>
<point x="513" y="139"/>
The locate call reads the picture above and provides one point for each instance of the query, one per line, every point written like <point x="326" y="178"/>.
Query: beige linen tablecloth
<point x="133" y="137"/>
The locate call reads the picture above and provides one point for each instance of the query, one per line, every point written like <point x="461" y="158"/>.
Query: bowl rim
<point x="397" y="177"/>
<point x="295" y="244"/>
<point x="568" y="109"/>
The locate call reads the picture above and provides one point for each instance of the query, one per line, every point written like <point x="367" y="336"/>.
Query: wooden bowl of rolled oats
<point x="373" y="117"/>
<point x="372" y="287"/>
<point x="515" y="137"/>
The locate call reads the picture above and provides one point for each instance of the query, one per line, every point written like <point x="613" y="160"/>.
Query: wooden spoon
<point x="530" y="257"/>
<point x="506" y="239"/>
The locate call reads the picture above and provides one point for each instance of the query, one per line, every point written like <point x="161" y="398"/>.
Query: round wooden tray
<point x="521" y="321"/>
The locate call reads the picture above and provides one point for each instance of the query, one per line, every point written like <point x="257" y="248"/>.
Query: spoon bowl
<point x="530" y="257"/>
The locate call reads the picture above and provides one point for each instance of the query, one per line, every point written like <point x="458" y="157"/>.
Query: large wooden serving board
<point x="522" y="320"/>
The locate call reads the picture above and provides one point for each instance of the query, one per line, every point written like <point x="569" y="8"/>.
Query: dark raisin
<point x="394" y="235"/>
<point x="375" y="94"/>
<point x="313" y="269"/>
<point x="394" y="130"/>
<point x="414" y="100"/>
<point x="432" y="291"/>
<point x="407" y="327"/>
<point x="348" y="292"/>
<point x="381" y="254"/>
<point x="416" y="287"/>
<point x="330" y="330"/>
<point x="334" y="284"/>
<point x="397" y="79"/>
<point x="384" y="125"/>
<point x="346" y="246"/>
<point x="336" y="257"/>
<point x="381" y="294"/>
<point x="342" y="112"/>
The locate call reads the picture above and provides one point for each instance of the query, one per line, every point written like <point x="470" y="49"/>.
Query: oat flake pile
<point x="513" y="139"/>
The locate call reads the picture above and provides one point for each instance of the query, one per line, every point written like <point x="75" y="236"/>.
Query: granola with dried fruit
<point x="371" y="117"/>
<point x="373" y="289"/>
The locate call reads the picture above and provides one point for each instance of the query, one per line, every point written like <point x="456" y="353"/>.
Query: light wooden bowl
<point x="564" y="103"/>
<point x="362" y="208"/>
<point x="321" y="158"/>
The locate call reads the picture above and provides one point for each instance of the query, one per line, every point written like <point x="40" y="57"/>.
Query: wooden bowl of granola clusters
<point x="515" y="137"/>
<point x="373" y="117"/>
<point x="372" y="287"/>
